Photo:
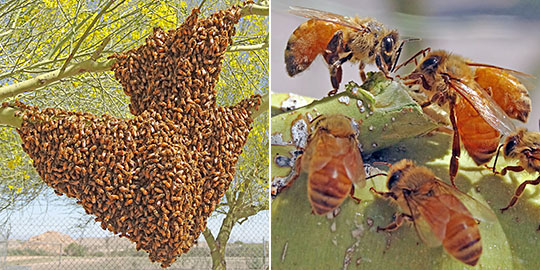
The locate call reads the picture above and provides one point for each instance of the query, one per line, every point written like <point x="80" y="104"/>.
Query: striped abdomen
<point x="477" y="136"/>
<point x="506" y="90"/>
<point x="306" y="42"/>
<point x="462" y="238"/>
<point x="328" y="187"/>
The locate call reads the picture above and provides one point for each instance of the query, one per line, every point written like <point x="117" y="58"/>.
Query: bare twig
<point x="85" y="34"/>
<point x="98" y="51"/>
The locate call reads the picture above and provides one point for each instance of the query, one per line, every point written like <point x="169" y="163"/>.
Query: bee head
<point x="511" y="143"/>
<point x="397" y="172"/>
<point x="431" y="64"/>
<point x="394" y="179"/>
<point x="388" y="47"/>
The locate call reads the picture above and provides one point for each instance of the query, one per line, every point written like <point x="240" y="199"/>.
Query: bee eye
<point x="388" y="44"/>
<point x="510" y="145"/>
<point x="430" y="64"/>
<point x="392" y="181"/>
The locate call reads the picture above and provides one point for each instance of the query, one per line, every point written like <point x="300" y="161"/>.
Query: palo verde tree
<point x="61" y="63"/>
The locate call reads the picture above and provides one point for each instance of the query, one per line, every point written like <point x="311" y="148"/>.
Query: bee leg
<point x="510" y="168"/>
<point x="351" y="193"/>
<point x="382" y="67"/>
<point x="383" y="194"/>
<point x="331" y="55"/>
<point x="519" y="191"/>
<point x="398" y="221"/>
<point x="456" y="149"/>
<point x="361" y="69"/>
<point x="335" y="79"/>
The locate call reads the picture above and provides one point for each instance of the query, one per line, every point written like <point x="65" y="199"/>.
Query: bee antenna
<point x="316" y="118"/>
<point x="399" y="51"/>
<point x="413" y="58"/>
<point x="497" y="157"/>
<point x="375" y="175"/>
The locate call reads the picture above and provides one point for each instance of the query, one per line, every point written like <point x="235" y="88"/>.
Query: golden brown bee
<point x="441" y="214"/>
<point x="340" y="39"/>
<point x="524" y="146"/>
<point x="332" y="161"/>
<point x="481" y="99"/>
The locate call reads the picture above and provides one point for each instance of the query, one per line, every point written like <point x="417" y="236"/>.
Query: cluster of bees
<point x="480" y="100"/>
<point x="155" y="178"/>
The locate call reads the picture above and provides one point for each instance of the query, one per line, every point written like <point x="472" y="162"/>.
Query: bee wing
<point x="354" y="165"/>
<point x="345" y="151"/>
<point x="325" y="16"/>
<point x="477" y="209"/>
<point x="429" y="218"/>
<point x="485" y="106"/>
<point x="514" y="72"/>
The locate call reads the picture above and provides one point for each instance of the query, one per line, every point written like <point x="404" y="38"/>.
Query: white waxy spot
<point x="299" y="133"/>
<point x="393" y="119"/>
<point x="293" y="102"/>
<point x="371" y="128"/>
<point x="344" y="100"/>
<point x="277" y="139"/>
<point x="359" y="103"/>
<point x="309" y="117"/>
<point x="333" y="227"/>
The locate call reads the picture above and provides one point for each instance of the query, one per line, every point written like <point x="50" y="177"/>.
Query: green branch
<point x="246" y="48"/>
<point x="53" y="76"/>
<point x="85" y="34"/>
<point x="254" y="9"/>
<point x="7" y="117"/>
<point x="265" y="103"/>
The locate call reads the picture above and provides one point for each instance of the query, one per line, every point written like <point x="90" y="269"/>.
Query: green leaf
<point x="302" y="240"/>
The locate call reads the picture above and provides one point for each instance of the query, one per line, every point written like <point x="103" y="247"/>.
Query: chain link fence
<point x="63" y="246"/>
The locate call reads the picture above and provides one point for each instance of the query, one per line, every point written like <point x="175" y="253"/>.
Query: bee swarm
<point x="155" y="178"/>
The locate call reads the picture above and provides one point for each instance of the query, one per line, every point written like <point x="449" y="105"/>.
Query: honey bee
<point x="441" y="214"/>
<point x="340" y="39"/>
<point x="332" y="161"/>
<point x="524" y="146"/>
<point x="481" y="99"/>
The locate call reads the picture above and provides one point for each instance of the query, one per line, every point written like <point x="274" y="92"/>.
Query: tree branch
<point x="85" y="34"/>
<point x="7" y="117"/>
<point x="210" y="241"/>
<point x="246" y="48"/>
<point x="254" y="9"/>
<point x="265" y="103"/>
<point x="50" y="77"/>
